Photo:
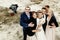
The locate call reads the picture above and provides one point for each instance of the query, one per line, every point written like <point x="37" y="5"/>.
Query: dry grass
<point x="6" y="18"/>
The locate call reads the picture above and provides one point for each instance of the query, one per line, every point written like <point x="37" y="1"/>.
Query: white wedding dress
<point x="40" y="35"/>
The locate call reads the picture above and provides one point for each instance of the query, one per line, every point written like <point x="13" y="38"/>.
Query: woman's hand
<point x="35" y="30"/>
<point x="39" y="26"/>
<point x="31" y="24"/>
<point x="53" y="25"/>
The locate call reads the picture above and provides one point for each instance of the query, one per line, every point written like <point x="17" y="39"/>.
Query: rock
<point x="36" y="0"/>
<point x="9" y="25"/>
<point x="35" y="7"/>
<point x="12" y="32"/>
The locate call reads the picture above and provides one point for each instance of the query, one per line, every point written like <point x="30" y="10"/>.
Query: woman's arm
<point x="36" y="30"/>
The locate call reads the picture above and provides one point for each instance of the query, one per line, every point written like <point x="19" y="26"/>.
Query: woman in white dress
<point x="39" y="29"/>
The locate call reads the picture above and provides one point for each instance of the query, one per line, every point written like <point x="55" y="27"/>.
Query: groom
<point x="25" y="17"/>
<point x="45" y="16"/>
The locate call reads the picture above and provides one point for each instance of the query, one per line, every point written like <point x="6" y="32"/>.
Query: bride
<point x="39" y="29"/>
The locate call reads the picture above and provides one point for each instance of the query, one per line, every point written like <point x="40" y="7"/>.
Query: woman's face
<point x="40" y="15"/>
<point x="34" y="15"/>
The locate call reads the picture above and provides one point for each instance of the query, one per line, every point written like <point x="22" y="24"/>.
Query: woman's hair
<point x="38" y="12"/>
<point x="33" y="12"/>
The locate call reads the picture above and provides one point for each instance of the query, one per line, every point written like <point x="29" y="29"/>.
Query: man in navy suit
<point x="25" y="16"/>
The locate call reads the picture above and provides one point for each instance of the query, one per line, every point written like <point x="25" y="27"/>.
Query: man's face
<point x="43" y="11"/>
<point x="27" y="9"/>
<point x="46" y="8"/>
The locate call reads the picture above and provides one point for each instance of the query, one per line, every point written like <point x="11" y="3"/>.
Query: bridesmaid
<point x="51" y="24"/>
<point x="31" y="35"/>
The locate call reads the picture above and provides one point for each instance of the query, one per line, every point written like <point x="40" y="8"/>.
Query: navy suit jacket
<point x="24" y="20"/>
